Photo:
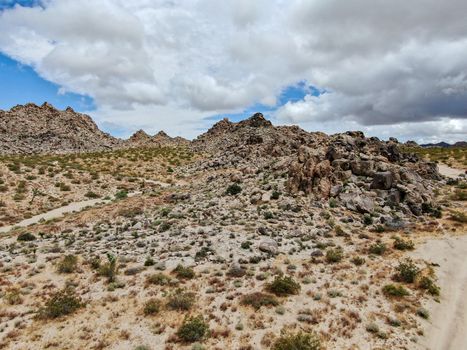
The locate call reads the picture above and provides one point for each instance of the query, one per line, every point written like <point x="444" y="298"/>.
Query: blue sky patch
<point x="20" y="84"/>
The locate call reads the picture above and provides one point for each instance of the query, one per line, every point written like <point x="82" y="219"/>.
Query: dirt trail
<point x="54" y="213"/>
<point x="448" y="320"/>
<point x="449" y="172"/>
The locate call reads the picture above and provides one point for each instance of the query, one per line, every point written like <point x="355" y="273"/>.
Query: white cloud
<point x="174" y="62"/>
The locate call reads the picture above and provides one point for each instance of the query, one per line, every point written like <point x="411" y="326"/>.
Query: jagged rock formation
<point x="361" y="173"/>
<point x="44" y="129"/>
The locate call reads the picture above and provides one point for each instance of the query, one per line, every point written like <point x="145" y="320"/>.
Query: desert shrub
<point x="402" y="244"/>
<point x="68" y="264"/>
<point x="423" y="313"/>
<point x="121" y="194"/>
<point x="259" y="299"/>
<point x="110" y="268"/>
<point x="283" y="286"/>
<point x="149" y="261"/>
<point x="158" y="279"/>
<point x="407" y="271"/>
<point x="13" y="297"/>
<point x="298" y="341"/>
<point x="459" y="195"/>
<point x="233" y="189"/>
<point x="334" y="255"/>
<point x="458" y="216"/>
<point x="181" y="301"/>
<point x="395" y="291"/>
<point x="130" y="212"/>
<point x="151" y="307"/>
<point x="358" y="261"/>
<point x="246" y="245"/>
<point x="193" y="329"/>
<point x="183" y="272"/>
<point x="427" y="283"/>
<point x="275" y="195"/>
<point x="26" y="237"/>
<point x="378" y="248"/>
<point x="61" y="303"/>
<point x="367" y="219"/>
<point x="91" y="195"/>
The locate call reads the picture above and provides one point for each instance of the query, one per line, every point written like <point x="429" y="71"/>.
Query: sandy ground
<point x="447" y="328"/>
<point x="450" y="172"/>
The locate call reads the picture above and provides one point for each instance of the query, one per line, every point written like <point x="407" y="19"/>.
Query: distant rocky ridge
<point x="446" y="145"/>
<point x="32" y="129"/>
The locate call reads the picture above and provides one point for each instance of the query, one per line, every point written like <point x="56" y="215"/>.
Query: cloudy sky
<point x="389" y="68"/>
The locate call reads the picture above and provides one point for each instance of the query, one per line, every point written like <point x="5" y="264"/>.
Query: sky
<point x="388" y="68"/>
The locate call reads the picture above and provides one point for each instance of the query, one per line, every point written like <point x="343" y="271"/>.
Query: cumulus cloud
<point x="382" y="64"/>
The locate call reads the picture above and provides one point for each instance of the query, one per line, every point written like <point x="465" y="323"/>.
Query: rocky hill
<point x="360" y="173"/>
<point x="32" y="129"/>
<point x="45" y="129"/>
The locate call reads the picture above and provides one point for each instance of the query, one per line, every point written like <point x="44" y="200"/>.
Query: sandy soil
<point x="450" y="172"/>
<point x="447" y="328"/>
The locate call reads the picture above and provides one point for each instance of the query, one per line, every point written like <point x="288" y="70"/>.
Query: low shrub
<point x="181" y="301"/>
<point x="26" y="237"/>
<point x="68" y="264"/>
<point x="259" y="299"/>
<point x="378" y="248"/>
<point x="283" y="286"/>
<point x="193" y="329"/>
<point x="334" y="255"/>
<point x="233" y="189"/>
<point x="427" y="283"/>
<point x="158" y="279"/>
<point x="407" y="271"/>
<point x="395" y="291"/>
<point x="183" y="272"/>
<point x="61" y="303"/>
<point x="402" y="244"/>
<point x="151" y="307"/>
<point x="298" y="341"/>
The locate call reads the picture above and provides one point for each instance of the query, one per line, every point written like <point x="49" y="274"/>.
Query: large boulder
<point x="382" y="181"/>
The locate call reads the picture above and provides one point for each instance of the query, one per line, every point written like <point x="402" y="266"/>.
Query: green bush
<point x="26" y="237"/>
<point x="395" y="291"/>
<point x="283" y="286"/>
<point x="62" y="303"/>
<point x="259" y="299"/>
<point x="233" y="189"/>
<point x="334" y="255"/>
<point x="407" y="271"/>
<point x="151" y="307"/>
<point x="183" y="272"/>
<point x="299" y="341"/>
<point x="68" y="264"/>
<point x="193" y="329"/>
